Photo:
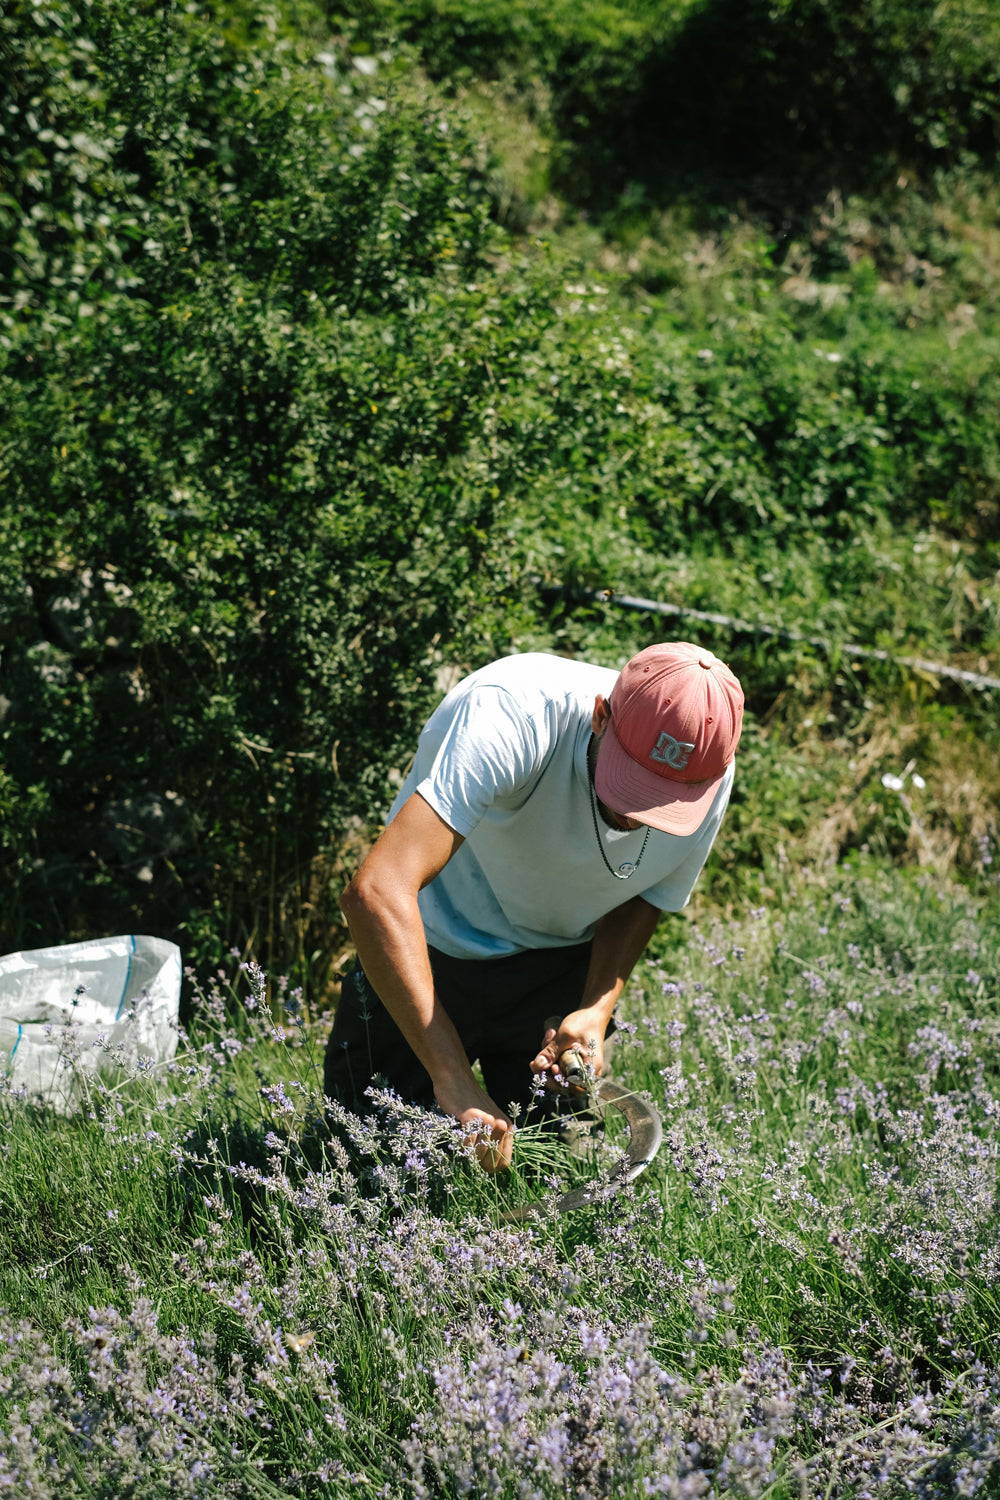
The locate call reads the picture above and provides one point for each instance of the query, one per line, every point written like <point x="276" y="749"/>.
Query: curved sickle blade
<point x="645" y="1135"/>
<point x="645" y="1131"/>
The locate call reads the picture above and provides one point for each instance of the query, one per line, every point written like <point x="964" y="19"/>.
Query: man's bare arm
<point x="380" y="906"/>
<point x="620" y="939"/>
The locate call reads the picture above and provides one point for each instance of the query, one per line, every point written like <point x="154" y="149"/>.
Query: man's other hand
<point x="475" y="1111"/>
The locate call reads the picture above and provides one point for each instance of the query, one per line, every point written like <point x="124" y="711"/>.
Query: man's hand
<point x="479" y="1117"/>
<point x="582" y="1031"/>
<point x="619" y="939"/>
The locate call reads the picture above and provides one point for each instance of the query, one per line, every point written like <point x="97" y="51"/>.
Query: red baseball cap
<point x="676" y="716"/>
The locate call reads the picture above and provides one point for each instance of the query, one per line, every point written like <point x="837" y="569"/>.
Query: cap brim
<point x="633" y="792"/>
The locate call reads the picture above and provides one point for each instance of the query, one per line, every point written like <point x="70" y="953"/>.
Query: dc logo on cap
<point x="671" y="752"/>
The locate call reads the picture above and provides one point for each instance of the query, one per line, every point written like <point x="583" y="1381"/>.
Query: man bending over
<point x="553" y="810"/>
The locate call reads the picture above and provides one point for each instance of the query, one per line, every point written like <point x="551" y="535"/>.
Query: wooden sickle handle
<point x="572" y="1064"/>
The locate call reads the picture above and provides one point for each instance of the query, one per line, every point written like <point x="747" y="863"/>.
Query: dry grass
<point x="939" y="825"/>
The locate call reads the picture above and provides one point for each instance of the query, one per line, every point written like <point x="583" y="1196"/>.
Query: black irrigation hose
<point x="744" y="627"/>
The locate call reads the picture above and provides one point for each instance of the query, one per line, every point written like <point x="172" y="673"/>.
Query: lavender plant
<point x="217" y="1283"/>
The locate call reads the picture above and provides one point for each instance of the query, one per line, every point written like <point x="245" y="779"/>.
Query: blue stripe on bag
<point x="128" y="973"/>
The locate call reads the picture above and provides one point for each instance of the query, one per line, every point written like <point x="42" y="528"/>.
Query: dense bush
<point x="457" y="39"/>
<point x="288" y="421"/>
<point x="805" y="88"/>
<point x="794" y="94"/>
<point x="753" y="432"/>
<point x="251" y="471"/>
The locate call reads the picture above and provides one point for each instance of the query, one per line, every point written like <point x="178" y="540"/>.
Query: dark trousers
<point x="499" y="1007"/>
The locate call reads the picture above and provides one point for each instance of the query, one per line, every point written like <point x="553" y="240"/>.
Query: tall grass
<point x="217" y="1284"/>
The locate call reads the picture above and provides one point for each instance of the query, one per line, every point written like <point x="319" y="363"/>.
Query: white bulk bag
<point x="72" y="1011"/>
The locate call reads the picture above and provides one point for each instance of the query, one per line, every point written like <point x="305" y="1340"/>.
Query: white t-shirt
<point x="503" y="760"/>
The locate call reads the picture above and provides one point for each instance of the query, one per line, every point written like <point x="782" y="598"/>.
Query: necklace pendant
<point x="627" y="868"/>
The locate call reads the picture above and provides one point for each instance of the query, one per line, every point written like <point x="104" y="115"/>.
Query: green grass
<point x="825" y="1199"/>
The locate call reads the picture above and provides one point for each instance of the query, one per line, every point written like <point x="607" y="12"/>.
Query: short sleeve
<point x="476" y="751"/>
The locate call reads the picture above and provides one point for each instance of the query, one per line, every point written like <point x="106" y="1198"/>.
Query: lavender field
<point x="344" y="350"/>
<point x="217" y="1285"/>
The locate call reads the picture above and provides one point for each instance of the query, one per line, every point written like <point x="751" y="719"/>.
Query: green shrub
<point x="847" y="473"/>
<point x="792" y="95"/>
<point x="288" y="422"/>
<point x="251" y="469"/>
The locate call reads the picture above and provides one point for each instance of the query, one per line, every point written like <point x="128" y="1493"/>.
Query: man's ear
<point x="601" y="717"/>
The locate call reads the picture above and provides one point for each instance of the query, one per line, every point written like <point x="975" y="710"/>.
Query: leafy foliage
<point x="250" y="469"/>
<point x="290" y="423"/>
<point x="791" y="94"/>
